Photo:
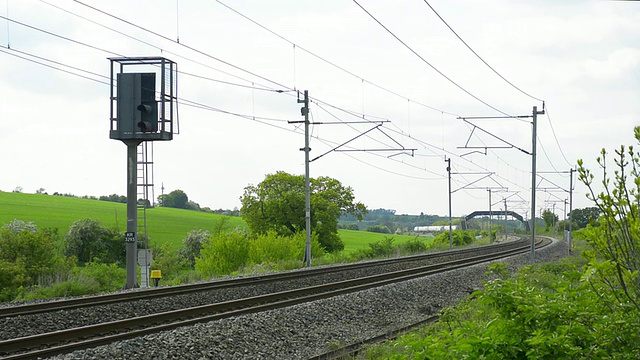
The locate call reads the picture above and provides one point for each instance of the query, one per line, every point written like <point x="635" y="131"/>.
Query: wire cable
<point x="428" y="63"/>
<point x="296" y="46"/>
<point x="184" y="45"/>
<point x="553" y="131"/>
<point x="476" y="54"/>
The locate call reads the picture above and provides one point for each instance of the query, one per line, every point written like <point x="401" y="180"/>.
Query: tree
<point x="87" y="240"/>
<point x="615" y="259"/>
<point x="175" y="199"/>
<point x="582" y="217"/>
<point x="549" y="219"/>
<point x="278" y="204"/>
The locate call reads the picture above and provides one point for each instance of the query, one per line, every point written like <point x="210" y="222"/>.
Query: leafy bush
<point x="227" y="253"/>
<point x="273" y="249"/>
<point x="378" y="229"/>
<point x="546" y="312"/>
<point x="170" y="262"/>
<point x="93" y="278"/>
<point x="353" y="226"/>
<point x="26" y="254"/>
<point x="224" y="254"/>
<point x="192" y="244"/>
<point x="88" y="241"/>
<point x="413" y="246"/>
<point x="458" y="237"/>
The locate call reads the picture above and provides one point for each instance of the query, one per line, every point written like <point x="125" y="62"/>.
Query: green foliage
<point x="192" y="244"/>
<point x="380" y="229"/>
<point x="278" y="204"/>
<point x="458" y="237"/>
<point x="87" y="240"/>
<point x="231" y="252"/>
<point x="414" y="246"/>
<point x="615" y="259"/>
<point x="93" y="278"/>
<point x="114" y="198"/>
<point x="353" y="226"/>
<point x="169" y="224"/>
<point x="175" y="199"/>
<point x="223" y="255"/>
<point x="170" y="262"/>
<point x="25" y="255"/>
<point x="582" y="217"/>
<point x="549" y="219"/>
<point x="382" y="248"/>
<point x="545" y="312"/>
<point x="271" y="249"/>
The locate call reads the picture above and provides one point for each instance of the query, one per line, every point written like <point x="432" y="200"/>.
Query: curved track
<point x="145" y="294"/>
<point x="57" y="342"/>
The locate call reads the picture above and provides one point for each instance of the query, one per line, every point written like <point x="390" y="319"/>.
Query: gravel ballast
<point x="310" y="329"/>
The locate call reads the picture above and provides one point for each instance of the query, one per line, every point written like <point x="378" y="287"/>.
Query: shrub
<point x="170" y="262"/>
<point x="544" y="312"/>
<point x="223" y="254"/>
<point x="193" y="243"/>
<point x="413" y="246"/>
<point x="274" y="250"/>
<point x="88" y="241"/>
<point x="378" y="229"/>
<point x="458" y="237"/>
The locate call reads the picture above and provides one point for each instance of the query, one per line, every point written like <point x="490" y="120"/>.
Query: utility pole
<point x="307" y="202"/>
<point x="450" y="227"/>
<point x="533" y="180"/>
<point x="553" y="219"/>
<point x="490" y="216"/>
<point x="505" y="219"/>
<point x="564" y="220"/>
<point x="570" y="207"/>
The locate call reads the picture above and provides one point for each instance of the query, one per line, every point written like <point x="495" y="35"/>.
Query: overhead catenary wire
<point x="321" y="58"/>
<point x="428" y="63"/>
<point x="478" y="56"/>
<point x="191" y="48"/>
<point x="241" y="115"/>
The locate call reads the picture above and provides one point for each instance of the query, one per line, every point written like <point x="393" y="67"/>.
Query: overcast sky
<point x="582" y="58"/>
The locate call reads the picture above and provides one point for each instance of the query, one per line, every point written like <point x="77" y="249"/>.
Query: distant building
<point x="432" y="228"/>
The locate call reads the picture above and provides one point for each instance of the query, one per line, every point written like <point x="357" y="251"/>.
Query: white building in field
<point x="433" y="228"/>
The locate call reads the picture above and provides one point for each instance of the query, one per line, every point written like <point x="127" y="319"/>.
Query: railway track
<point x="147" y="294"/>
<point x="52" y="343"/>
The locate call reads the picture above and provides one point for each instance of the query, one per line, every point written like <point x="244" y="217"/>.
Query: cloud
<point x="617" y="65"/>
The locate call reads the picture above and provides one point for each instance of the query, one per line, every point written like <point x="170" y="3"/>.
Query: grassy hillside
<point x="354" y="240"/>
<point x="164" y="225"/>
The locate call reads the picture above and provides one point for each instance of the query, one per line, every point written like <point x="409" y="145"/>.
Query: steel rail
<point x="354" y="348"/>
<point x="87" y="301"/>
<point x="148" y="324"/>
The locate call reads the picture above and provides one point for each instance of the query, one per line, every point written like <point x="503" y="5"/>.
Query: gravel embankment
<point x="302" y="331"/>
<point x="26" y="325"/>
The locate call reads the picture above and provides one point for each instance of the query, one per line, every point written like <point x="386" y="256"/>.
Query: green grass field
<point x="354" y="240"/>
<point x="164" y="225"/>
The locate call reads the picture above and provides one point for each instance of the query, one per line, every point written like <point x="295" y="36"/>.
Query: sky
<point x="395" y="70"/>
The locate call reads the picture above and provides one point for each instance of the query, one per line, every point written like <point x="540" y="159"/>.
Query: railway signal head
<point x="148" y="120"/>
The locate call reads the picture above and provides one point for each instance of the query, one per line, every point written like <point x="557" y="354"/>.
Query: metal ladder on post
<point x="145" y="196"/>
